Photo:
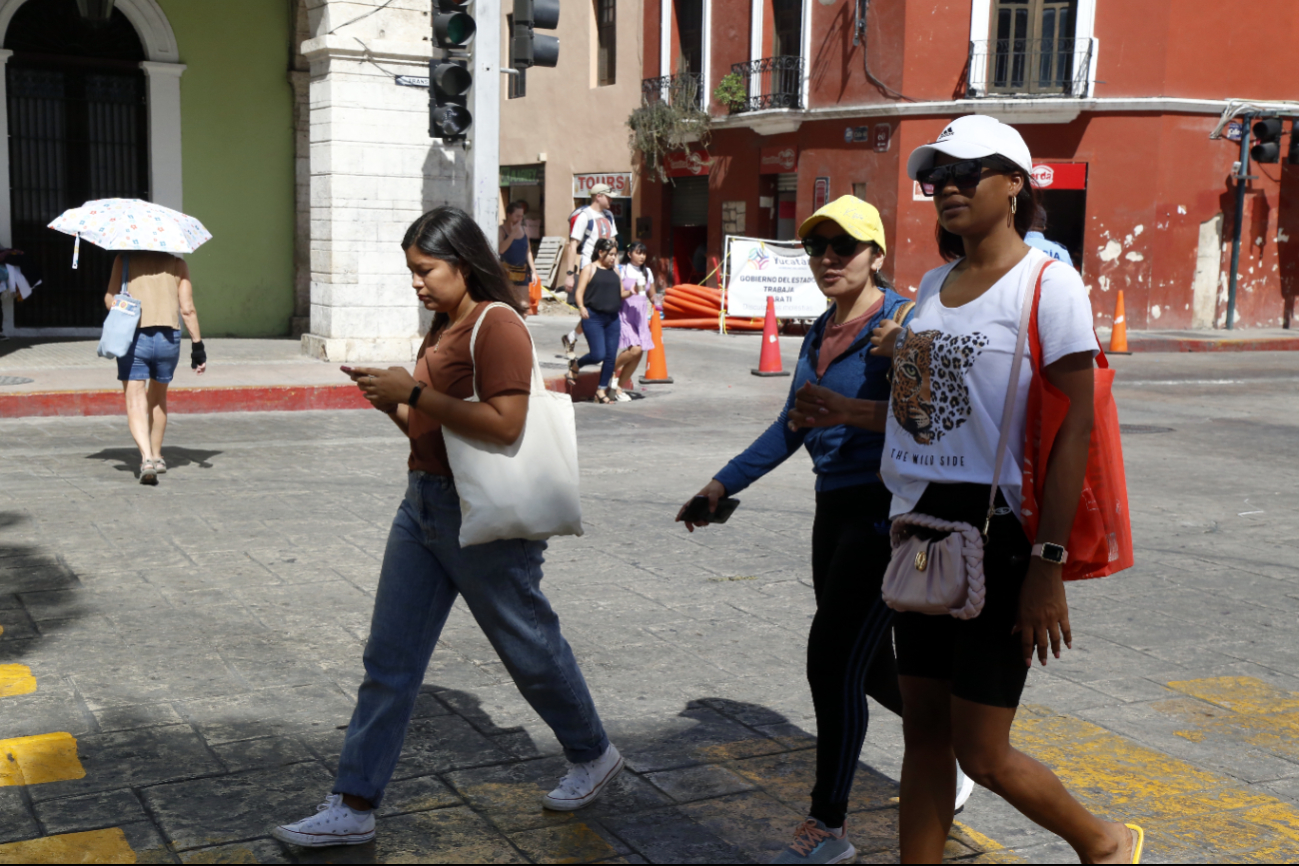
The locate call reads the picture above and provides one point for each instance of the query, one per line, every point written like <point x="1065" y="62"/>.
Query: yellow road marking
<point x="991" y="850"/>
<point x="16" y="680"/>
<point x="40" y="759"/>
<point x="1184" y="810"/>
<point x="1245" y="695"/>
<point x="96" y="846"/>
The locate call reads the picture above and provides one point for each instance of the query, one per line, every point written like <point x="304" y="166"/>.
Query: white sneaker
<point x="333" y="824"/>
<point x="964" y="788"/>
<point x="583" y="783"/>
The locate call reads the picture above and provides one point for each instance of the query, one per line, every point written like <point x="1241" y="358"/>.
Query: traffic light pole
<point x="484" y="153"/>
<point x="1242" y="177"/>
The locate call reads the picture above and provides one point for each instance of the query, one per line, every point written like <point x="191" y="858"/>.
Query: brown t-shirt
<point x="504" y="353"/>
<point x="154" y="280"/>
<point x="837" y="338"/>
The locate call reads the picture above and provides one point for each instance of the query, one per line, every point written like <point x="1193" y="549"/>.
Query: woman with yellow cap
<point x="836" y="410"/>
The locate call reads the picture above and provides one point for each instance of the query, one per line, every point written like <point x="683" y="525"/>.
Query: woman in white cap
<point x="962" y="679"/>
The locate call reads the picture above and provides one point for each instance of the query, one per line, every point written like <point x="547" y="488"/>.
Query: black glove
<point x="197" y="355"/>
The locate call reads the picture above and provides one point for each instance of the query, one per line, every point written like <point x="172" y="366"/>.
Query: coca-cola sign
<point x="778" y="160"/>
<point x="692" y="163"/>
<point x="1060" y="175"/>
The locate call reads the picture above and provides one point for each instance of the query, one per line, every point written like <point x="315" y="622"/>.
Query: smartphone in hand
<point x="697" y="511"/>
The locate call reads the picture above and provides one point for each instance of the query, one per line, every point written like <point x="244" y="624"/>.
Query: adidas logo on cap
<point x="946" y="134"/>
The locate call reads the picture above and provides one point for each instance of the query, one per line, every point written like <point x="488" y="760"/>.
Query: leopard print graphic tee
<point x="950" y="376"/>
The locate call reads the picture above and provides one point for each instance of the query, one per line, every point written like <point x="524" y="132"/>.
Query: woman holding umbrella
<point x="149" y="270"/>
<point x="160" y="281"/>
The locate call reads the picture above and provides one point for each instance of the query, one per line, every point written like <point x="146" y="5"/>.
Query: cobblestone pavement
<point x="176" y="662"/>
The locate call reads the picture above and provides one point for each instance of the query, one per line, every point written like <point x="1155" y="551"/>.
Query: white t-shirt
<point x="588" y="226"/>
<point x="950" y="377"/>
<point x="644" y="279"/>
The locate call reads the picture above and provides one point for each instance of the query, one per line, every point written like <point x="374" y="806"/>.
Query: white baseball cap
<point x="971" y="137"/>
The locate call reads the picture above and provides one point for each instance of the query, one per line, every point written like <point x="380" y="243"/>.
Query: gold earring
<point x="1014" y="205"/>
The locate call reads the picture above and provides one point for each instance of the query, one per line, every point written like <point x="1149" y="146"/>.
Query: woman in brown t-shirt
<point x="456" y="274"/>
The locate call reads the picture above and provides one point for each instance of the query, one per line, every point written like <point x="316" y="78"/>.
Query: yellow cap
<point x="858" y="218"/>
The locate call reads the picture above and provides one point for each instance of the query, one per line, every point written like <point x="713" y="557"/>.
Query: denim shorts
<point x="154" y="354"/>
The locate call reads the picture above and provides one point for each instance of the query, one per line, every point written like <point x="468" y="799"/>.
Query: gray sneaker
<point x="816" y="843"/>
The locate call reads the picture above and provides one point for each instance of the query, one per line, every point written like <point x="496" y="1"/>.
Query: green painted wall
<point x="237" y="146"/>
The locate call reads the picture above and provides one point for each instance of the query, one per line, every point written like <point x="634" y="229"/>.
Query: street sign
<point x="411" y="80"/>
<point x="883" y="134"/>
<point x="821" y="193"/>
<point x="1234" y="131"/>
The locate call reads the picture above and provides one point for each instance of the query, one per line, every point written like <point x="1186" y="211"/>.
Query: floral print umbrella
<point x="131" y="224"/>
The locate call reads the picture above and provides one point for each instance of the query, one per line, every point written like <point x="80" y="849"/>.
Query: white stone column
<point x="6" y="214"/>
<point x="374" y="169"/>
<point x="166" y="183"/>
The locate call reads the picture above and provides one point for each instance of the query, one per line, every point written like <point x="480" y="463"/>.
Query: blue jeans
<point x="154" y="354"/>
<point x="424" y="569"/>
<point x="602" y="331"/>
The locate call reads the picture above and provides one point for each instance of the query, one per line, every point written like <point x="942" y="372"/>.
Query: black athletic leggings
<point x="850" y="650"/>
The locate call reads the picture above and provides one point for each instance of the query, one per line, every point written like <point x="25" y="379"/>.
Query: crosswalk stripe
<point x="16" y="680"/>
<point x="39" y="759"/>
<point x="94" y="846"/>
<point x="1186" y="812"/>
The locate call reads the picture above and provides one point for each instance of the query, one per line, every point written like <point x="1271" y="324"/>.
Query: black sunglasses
<point x="965" y="174"/>
<point x="843" y="245"/>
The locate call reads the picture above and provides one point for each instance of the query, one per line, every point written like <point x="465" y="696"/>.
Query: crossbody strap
<point x="473" y="343"/>
<point x="126" y="270"/>
<point x="1012" y="389"/>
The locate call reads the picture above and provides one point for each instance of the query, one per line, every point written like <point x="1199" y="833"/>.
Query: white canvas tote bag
<point x="526" y="490"/>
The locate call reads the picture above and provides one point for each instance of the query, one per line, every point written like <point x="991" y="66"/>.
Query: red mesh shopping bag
<point x="1100" y="543"/>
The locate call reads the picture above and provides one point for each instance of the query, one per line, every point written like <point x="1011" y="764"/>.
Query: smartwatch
<point x="1052" y="553"/>
<point x="414" y="395"/>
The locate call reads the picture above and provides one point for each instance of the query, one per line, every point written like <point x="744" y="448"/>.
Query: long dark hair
<point x="1027" y="210"/>
<point x="450" y="234"/>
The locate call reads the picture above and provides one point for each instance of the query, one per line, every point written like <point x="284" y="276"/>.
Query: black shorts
<point x="981" y="657"/>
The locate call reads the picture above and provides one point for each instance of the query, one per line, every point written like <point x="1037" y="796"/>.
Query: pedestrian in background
<point x="160" y="282"/>
<point x="600" y="294"/>
<point x="962" y="679"/>
<point x="516" y="249"/>
<point x="1035" y="238"/>
<point x="634" y="337"/>
<point x="587" y="226"/>
<point x="456" y="274"/>
<point x="836" y="408"/>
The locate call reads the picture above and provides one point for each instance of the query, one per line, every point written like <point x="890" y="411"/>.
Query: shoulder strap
<point x="904" y="308"/>
<point x="1008" y="411"/>
<point x="126" y="270"/>
<point x="473" y="343"/>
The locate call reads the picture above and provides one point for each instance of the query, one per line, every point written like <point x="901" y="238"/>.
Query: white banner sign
<point x="760" y="269"/>
<point x="619" y="181"/>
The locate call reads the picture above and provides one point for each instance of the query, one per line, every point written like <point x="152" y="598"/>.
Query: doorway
<point x="78" y="130"/>
<point x="1066" y="220"/>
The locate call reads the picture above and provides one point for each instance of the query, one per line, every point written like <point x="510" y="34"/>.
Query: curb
<point x="1192" y="345"/>
<point x="239" y="398"/>
<point x="185" y="401"/>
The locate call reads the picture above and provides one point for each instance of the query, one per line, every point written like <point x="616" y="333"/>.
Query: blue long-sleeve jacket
<point x="842" y="456"/>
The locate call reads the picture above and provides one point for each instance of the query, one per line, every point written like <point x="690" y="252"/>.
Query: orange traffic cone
<point x="1119" y="336"/>
<point x="769" y="360"/>
<point x="656" y="373"/>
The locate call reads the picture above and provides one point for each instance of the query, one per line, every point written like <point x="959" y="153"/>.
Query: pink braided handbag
<point x="937" y="565"/>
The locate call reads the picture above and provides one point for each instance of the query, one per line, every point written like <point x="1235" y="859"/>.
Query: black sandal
<point x="573" y="371"/>
<point x="603" y="398"/>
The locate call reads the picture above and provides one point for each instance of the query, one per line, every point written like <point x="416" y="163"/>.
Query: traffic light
<point x="449" y="82"/>
<point x="527" y="47"/>
<point x="449" y="78"/>
<point x="1268" y="134"/>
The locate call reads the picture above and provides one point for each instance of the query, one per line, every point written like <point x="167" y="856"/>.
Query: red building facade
<point x="1115" y="99"/>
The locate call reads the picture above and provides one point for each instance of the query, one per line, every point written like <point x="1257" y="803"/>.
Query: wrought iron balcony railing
<point x="680" y="89"/>
<point x="1028" y="67"/>
<point x="773" y="82"/>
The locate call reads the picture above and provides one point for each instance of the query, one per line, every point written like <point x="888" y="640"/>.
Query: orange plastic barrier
<point x="732" y="324"/>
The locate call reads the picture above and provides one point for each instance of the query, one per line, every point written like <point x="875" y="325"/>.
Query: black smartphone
<point x="697" y="511"/>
